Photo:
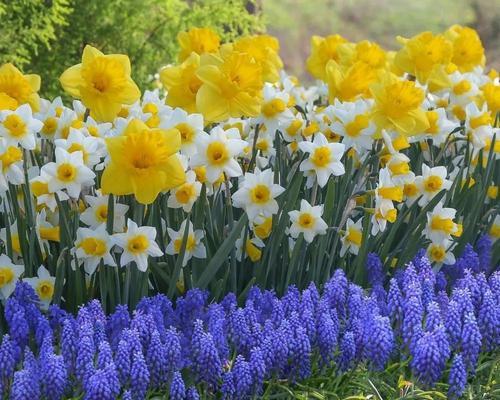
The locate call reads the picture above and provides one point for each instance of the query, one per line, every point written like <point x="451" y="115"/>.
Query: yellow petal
<point x="115" y="180"/>
<point x="175" y="172"/>
<point x="146" y="189"/>
<point x="71" y="80"/>
<point x="211" y="104"/>
<point x="89" y="53"/>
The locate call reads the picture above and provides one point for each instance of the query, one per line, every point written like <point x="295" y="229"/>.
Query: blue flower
<point x="177" y="387"/>
<point x="458" y="378"/>
<point x="139" y="376"/>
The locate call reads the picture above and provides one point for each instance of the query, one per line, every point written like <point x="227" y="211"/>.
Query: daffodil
<point x="102" y="82"/>
<point x="257" y="195"/>
<point x="307" y="220"/>
<point x="186" y="194"/>
<point x="252" y="248"/>
<point x="274" y="112"/>
<point x="97" y="211"/>
<point x="232" y="85"/>
<point x="468" y="51"/>
<point x="47" y="229"/>
<point x="399" y="168"/>
<point x="93" y="246"/>
<point x="398" y="105"/>
<point x="495" y="228"/>
<point x="324" y="158"/>
<point x="14" y="239"/>
<point x="19" y="127"/>
<point x="440" y="127"/>
<point x="349" y="83"/>
<point x="44" y="196"/>
<point x="217" y="152"/>
<point x="351" y="239"/>
<point x="68" y="172"/>
<point x="143" y="162"/>
<point x="138" y="243"/>
<point x="384" y="212"/>
<point x="188" y="125"/>
<point x="431" y="182"/>
<point x="194" y="246"/>
<point x="323" y="49"/>
<point x="91" y="147"/>
<point x="9" y="275"/>
<point x="17" y="89"/>
<point x="199" y="41"/>
<point x="440" y="253"/>
<point x="11" y="165"/>
<point x="387" y="189"/>
<point x="440" y="224"/>
<point x="43" y="285"/>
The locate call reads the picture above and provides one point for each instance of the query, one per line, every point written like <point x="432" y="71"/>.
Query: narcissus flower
<point x="347" y="83"/>
<point x="232" y="85"/>
<point x="308" y="221"/>
<point x="9" y="274"/>
<point x="44" y="285"/>
<point x="252" y="248"/>
<point x="199" y="41"/>
<point x="92" y="246"/>
<point x="17" y="89"/>
<point x="257" y="194"/>
<point x="432" y="181"/>
<point x="102" y="82"/>
<point x="143" y="162"/>
<point x="440" y="253"/>
<point x="217" y="152"/>
<point x="322" y="51"/>
<point x="96" y="213"/>
<point x="188" y="125"/>
<point x="137" y="243"/>
<point x="324" y="158"/>
<point x="19" y="127"/>
<point x="440" y="224"/>
<point x="351" y="239"/>
<point x="11" y="166"/>
<point x="186" y="194"/>
<point x="398" y="105"/>
<point x="468" y="51"/>
<point x="194" y="245"/>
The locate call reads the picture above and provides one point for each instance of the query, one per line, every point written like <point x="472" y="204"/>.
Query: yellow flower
<point x="398" y="105"/>
<point x="143" y="162"/>
<point x="346" y="84"/>
<point x="425" y="56"/>
<point x="199" y="41"/>
<point x="491" y="95"/>
<point x="468" y="51"/>
<point x="264" y="50"/>
<point x="102" y="82"/>
<point x="232" y="86"/>
<point x="322" y="51"/>
<point x="182" y="84"/>
<point x="366" y="52"/>
<point x="17" y="89"/>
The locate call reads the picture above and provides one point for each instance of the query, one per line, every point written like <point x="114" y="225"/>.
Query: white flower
<point x="324" y="158"/>
<point x="252" y="249"/>
<point x="39" y="185"/>
<point x="354" y="124"/>
<point x="399" y="167"/>
<point x="440" y="126"/>
<point x="91" y="149"/>
<point x="11" y="165"/>
<point x="96" y="129"/>
<point x="275" y="112"/>
<point x="19" y="127"/>
<point x="386" y="189"/>
<point x="68" y="172"/>
<point x="43" y="285"/>
<point x="189" y="126"/>
<point x="440" y="253"/>
<point x="351" y="240"/>
<point x="257" y="194"/>
<point x="217" y="153"/>
<point x="194" y="245"/>
<point x="292" y="130"/>
<point x="186" y="194"/>
<point x="384" y="212"/>
<point x="9" y="274"/>
<point x="92" y="246"/>
<point x="137" y="243"/>
<point x="440" y="224"/>
<point x="308" y="221"/>
<point x="432" y="181"/>
<point x="97" y="213"/>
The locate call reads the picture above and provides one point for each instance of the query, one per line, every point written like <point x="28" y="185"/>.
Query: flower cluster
<point x="197" y="347"/>
<point x="231" y="161"/>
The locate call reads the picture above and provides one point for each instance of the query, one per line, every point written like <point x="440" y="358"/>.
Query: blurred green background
<point x="47" y="36"/>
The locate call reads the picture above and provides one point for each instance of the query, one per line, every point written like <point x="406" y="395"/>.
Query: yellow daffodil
<point x="102" y="82"/>
<point x="468" y="51"/>
<point x="143" y="162"/>
<point x="322" y="51"/>
<point x="199" y="41"/>
<point x="17" y="89"/>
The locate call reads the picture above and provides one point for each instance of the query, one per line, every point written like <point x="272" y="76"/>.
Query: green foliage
<point x="48" y="37"/>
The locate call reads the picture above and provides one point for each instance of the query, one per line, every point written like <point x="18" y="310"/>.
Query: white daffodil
<point x="96" y="213"/>
<point x="478" y="125"/>
<point x="274" y="112"/>
<point x="252" y="248"/>
<point x="387" y="190"/>
<point x="67" y="120"/>
<point x="440" y="252"/>
<point x="495" y="228"/>
<point x="44" y="197"/>
<point x="351" y="239"/>
<point x="90" y="146"/>
<point x="257" y="194"/>
<point x="292" y="130"/>
<point x="92" y="246"/>
<point x="46" y="230"/>
<point x="463" y="88"/>
<point x="384" y="212"/>
<point x="440" y="224"/>
<point x="186" y="194"/>
<point x="217" y="152"/>
<point x="189" y="126"/>
<point x="11" y="165"/>
<point x="194" y="245"/>
<point x="14" y="238"/>
<point x="68" y="172"/>
<point x="97" y="129"/>
<point x="43" y="285"/>
<point x="439" y="128"/>
<point x="324" y="158"/>
<point x="354" y="124"/>
<point x="399" y="168"/>
<point x="137" y="243"/>
<point x="431" y="182"/>
<point x="308" y="221"/>
<point x="9" y="275"/>
<point x="19" y="127"/>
